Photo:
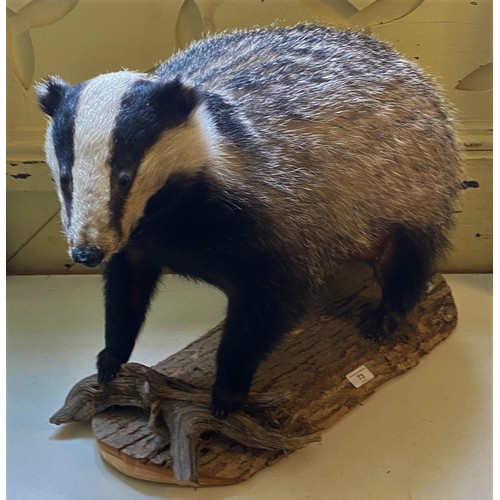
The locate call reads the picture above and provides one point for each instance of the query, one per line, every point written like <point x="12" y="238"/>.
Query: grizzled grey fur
<point x="256" y="161"/>
<point x="348" y="137"/>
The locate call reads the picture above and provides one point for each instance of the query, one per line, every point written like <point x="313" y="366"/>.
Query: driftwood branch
<point x="158" y="424"/>
<point x="184" y="409"/>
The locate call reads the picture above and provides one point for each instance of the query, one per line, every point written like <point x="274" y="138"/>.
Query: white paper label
<point x="359" y="376"/>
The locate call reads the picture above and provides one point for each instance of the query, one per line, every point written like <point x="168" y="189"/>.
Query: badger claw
<point x="108" y="366"/>
<point x="225" y="402"/>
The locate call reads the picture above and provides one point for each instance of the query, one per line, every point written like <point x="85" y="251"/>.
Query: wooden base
<point x="163" y="430"/>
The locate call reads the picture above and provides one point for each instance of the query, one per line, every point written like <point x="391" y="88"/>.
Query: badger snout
<point x="89" y="256"/>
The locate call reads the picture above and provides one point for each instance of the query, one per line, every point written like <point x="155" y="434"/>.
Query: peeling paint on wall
<point x="21" y="175"/>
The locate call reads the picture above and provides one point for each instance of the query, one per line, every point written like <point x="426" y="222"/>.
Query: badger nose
<point x="89" y="256"/>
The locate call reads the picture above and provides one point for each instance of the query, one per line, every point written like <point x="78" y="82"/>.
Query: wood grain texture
<point x="165" y="431"/>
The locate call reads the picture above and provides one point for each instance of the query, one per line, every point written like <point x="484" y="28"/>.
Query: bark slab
<point x="155" y="423"/>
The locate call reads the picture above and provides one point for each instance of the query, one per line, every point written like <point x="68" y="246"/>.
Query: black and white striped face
<point x="111" y="144"/>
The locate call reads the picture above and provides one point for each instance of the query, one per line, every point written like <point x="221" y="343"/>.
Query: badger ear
<point x="176" y="98"/>
<point x="50" y="94"/>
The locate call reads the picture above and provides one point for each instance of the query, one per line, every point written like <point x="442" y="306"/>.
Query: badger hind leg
<point x="403" y="271"/>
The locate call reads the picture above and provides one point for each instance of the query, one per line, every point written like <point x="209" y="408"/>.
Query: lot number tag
<point x="359" y="376"/>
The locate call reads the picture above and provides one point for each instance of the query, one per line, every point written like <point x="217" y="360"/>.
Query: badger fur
<point x="255" y="161"/>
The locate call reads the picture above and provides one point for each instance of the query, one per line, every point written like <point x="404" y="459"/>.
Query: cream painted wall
<point x="77" y="39"/>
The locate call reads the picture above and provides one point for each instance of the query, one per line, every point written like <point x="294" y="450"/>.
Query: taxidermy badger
<point x="255" y="161"/>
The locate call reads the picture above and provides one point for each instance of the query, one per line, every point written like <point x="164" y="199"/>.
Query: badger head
<point x="111" y="144"/>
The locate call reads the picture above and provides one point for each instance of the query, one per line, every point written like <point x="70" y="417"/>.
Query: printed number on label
<point x="359" y="376"/>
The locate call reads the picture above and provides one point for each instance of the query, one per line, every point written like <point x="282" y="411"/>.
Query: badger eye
<point x="124" y="180"/>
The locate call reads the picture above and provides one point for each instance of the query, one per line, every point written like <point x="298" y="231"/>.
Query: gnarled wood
<point x="182" y="407"/>
<point x="164" y="430"/>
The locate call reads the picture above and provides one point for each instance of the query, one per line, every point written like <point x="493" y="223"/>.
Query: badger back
<point x="339" y="137"/>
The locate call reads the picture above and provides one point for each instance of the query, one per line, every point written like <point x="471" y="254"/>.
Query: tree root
<point x="185" y="409"/>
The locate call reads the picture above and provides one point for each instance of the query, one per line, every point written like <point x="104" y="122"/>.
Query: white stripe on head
<point x="98" y="107"/>
<point x="51" y="159"/>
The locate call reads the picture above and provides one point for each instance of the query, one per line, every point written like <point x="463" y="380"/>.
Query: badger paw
<point x="224" y="401"/>
<point x="389" y="323"/>
<point x="108" y="366"/>
<point x="382" y="326"/>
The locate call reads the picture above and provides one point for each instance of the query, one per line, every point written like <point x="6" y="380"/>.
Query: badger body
<point x="255" y="161"/>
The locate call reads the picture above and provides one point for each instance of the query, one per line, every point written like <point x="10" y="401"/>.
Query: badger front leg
<point x="254" y="324"/>
<point x="129" y="283"/>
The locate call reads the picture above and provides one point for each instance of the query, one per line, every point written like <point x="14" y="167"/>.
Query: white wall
<point x="77" y="39"/>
